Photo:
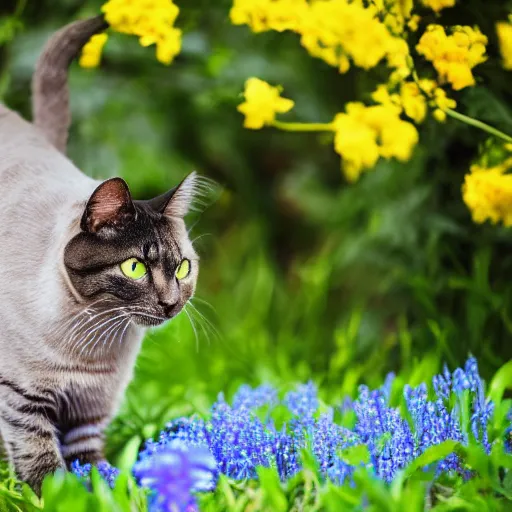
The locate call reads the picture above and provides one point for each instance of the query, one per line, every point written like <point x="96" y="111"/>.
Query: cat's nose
<point x="169" y="308"/>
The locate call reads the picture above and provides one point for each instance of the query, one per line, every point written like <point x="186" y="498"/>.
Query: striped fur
<point x="70" y="323"/>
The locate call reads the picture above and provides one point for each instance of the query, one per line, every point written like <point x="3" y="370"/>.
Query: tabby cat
<point x="84" y="270"/>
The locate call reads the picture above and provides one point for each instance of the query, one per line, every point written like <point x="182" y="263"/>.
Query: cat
<point x="84" y="270"/>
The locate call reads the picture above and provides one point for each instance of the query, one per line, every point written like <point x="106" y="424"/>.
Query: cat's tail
<point x="50" y="93"/>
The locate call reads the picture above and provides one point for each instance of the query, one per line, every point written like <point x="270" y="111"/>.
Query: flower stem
<point x="304" y="127"/>
<point x="477" y="124"/>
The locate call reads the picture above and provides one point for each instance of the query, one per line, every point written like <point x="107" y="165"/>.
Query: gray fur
<point x="70" y="333"/>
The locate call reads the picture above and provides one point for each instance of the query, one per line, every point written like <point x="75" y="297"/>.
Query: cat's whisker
<point x="88" y="311"/>
<point x="99" y="325"/>
<point x="208" y="327"/>
<point x="124" y="331"/>
<point x="61" y="327"/>
<point x="118" y="327"/>
<point x="111" y="329"/>
<point x="104" y="336"/>
<point x="200" y="236"/>
<point x="203" y="301"/>
<point x="193" y="327"/>
<point x="80" y="323"/>
<point x="95" y="330"/>
<point x="70" y="338"/>
<point x="215" y="332"/>
<point x="204" y="328"/>
<point x="90" y="316"/>
<point x="144" y="312"/>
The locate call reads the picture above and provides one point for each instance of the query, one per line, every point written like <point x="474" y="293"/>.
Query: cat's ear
<point x="177" y="202"/>
<point x="110" y="205"/>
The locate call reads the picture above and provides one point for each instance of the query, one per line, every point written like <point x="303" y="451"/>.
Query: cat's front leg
<point x="29" y="433"/>
<point x="84" y="442"/>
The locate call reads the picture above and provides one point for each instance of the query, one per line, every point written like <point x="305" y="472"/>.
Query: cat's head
<point x="135" y="255"/>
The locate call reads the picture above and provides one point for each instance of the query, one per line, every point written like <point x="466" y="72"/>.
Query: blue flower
<point x="235" y="440"/>
<point x="328" y="439"/>
<point x="286" y="452"/>
<point x="239" y="441"/>
<point x="252" y="398"/>
<point x="383" y="430"/>
<point x="108" y="472"/>
<point x="482" y="412"/>
<point x="81" y="470"/>
<point x="173" y="473"/>
<point x="442" y="384"/>
<point x="303" y="402"/>
<point x="461" y="381"/>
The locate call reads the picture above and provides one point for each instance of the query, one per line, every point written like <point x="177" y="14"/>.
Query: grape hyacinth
<point x="107" y="472"/>
<point x="235" y="440"/>
<point x="174" y="471"/>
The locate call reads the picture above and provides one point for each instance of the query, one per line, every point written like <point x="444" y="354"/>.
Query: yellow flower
<point x="455" y="55"/>
<point x="438" y="5"/>
<point x="169" y="46"/>
<point x="356" y="142"/>
<point x="263" y="15"/>
<point x="151" y="20"/>
<point x="398" y="140"/>
<point x="381" y="95"/>
<point x="363" y="134"/>
<point x="488" y="193"/>
<point x="442" y="102"/>
<point x="504" y="31"/>
<point x="413" y="23"/>
<point x="413" y="101"/>
<point x="91" y="52"/>
<point x="405" y="7"/>
<point x="262" y="103"/>
<point x="326" y="28"/>
<point x="330" y="25"/>
<point x="414" y="98"/>
<point x="398" y="57"/>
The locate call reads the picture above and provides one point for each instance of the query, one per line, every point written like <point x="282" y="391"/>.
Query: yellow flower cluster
<point x="438" y="5"/>
<point x="488" y="193"/>
<point x="262" y="103"/>
<point x="455" y="55"/>
<point x="328" y="32"/>
<point x="414" y="98"/>
<point x="504" y="32"/>
<point x="396" y="15"/>
<point x="363" y="134"/>
<point x="332" y="30"/>
<point x="262" y="15"/>
<point x="437" y="99"/>
<point x="91" y="52"/>
<point x="152" y="21"/>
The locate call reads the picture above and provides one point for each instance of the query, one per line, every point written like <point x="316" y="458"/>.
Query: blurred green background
<point x="302" y="274"/>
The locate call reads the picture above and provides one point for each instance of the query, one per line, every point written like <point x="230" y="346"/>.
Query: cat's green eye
<point x="183" y="269"/>
<point x="133" y="268"/>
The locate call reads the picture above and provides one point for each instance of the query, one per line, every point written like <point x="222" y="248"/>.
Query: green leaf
<point x="377" y="491"/>
<point x="128" y="456"/>
<point x="507" y="482"/>
<point x="431" y="455"/>
<point x="273" y="494"/>
<point x="501" y="381"/>
<point x="356" y="455"/>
